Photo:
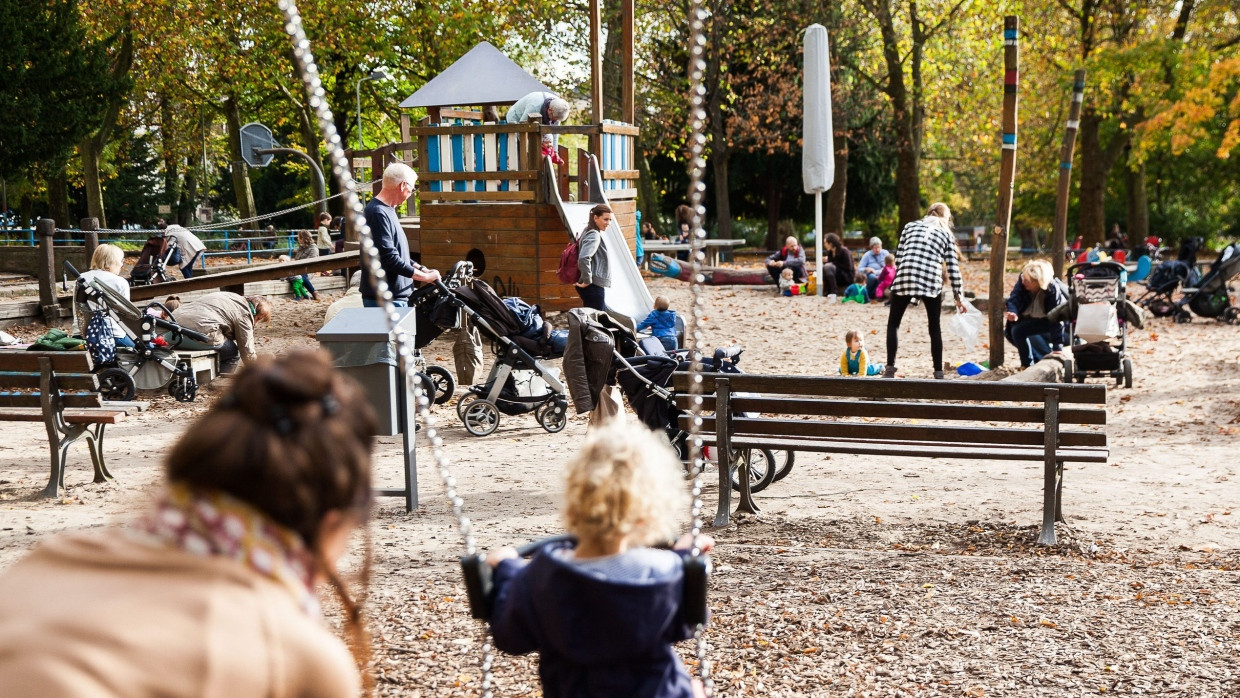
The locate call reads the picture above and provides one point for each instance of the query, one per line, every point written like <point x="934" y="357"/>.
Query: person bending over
<point x="1037" y="292"/>
<point x="602" y="614"/>
<point x="228" y="320"/>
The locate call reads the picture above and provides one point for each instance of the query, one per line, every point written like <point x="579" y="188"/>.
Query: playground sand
<point x="862" y="576"/>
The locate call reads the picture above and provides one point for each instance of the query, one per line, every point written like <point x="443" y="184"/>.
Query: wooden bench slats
<point x="66" y="361"/>
<point x="904" y="410"/>
<point x="920" y="450"/>
<point x="71" y="415"/>
<point x="30" y="381"/>
<point x="899" y="389"/>
<point x="34" y="399"/>
<point x="811" y="429"/>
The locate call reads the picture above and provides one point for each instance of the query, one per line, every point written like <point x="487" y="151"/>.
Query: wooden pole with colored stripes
<point x="1059" y="247"/>
<point x="1007" y="181"/>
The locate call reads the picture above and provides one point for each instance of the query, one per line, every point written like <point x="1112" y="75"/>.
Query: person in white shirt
<point x="190" y="246"/>
<point x="105" y="269"/>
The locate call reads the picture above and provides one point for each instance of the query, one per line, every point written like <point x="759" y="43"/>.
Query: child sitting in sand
<point x="786" y="282"/>
<point x="662" y="324"/>
<point x="854" y="361"/>
<point x="886" y="276"/>
<point x="603" y="613"/>
<point x="856" y="293"/>
<point x="295" y="283"/>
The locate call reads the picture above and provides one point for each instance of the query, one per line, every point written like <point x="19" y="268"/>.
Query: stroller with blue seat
<point x="1168" y="277"/>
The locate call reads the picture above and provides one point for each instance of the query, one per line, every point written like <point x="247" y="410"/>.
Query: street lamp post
<point x="377" y="74"/>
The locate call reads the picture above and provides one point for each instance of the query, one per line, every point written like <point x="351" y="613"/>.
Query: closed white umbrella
<point x="818" y="150"/>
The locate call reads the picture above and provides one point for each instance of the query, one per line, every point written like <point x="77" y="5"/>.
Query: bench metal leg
<point x="723" y="513"/>
<point x="1059" y="491"/>
<point x="95" y="442"/>
<point x="745" y="503"/>
<point x="1050" y="467"/>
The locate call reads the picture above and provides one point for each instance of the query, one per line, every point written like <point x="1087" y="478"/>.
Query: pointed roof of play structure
<point x="481" y="77"/>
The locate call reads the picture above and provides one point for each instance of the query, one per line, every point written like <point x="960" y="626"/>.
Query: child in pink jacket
<point x="886" y="276"/>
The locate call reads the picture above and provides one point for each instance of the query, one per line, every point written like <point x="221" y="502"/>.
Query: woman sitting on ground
<point x="872" y="265"/>
<point x="838" y="270"/>
<point x="212" y="591"/>
<point x="1037" y="292"/>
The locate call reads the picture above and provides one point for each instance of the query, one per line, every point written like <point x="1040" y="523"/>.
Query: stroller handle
<point x="1115" y="266"/>
<point x="71" y="269"/>
<point x="190" y="334"/>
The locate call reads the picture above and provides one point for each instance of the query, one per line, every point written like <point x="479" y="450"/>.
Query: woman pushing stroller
<point x="1037" y="292"/>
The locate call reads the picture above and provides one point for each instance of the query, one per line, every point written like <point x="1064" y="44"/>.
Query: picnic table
<point x="711" y="248"/>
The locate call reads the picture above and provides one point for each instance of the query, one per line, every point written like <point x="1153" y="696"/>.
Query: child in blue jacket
<point x="662" y="324"/>
<point x="603" y="613"/>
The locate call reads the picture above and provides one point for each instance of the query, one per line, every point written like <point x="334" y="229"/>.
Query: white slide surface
<point x="627" y="294"/>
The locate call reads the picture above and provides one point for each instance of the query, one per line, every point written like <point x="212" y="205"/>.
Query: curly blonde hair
<point x="625" y="482"/>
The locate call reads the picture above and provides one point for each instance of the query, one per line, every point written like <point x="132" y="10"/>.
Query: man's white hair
<point x="398" y="172"/>
<point x="557" y="110"/>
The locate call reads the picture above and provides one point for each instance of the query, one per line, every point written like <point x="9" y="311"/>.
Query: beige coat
<point x="107" y="614"/>
<point x="221" y="315"/>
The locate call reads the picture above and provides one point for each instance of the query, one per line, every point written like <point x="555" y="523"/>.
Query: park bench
<point x="58" y="389"/>
<point x="960" y="420"/>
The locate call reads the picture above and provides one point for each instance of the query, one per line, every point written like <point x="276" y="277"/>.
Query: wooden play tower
<point x="485" y="193"/>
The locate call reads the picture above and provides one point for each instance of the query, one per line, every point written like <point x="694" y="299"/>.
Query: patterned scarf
<point x="214" y="524"/>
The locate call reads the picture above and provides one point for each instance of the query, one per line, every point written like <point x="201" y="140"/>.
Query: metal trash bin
<point x="362" y="347"/>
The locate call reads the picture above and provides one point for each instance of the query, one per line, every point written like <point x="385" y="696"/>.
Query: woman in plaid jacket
<point x="925" y="246"/>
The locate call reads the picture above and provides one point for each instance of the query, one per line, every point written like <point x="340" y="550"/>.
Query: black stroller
<point x="152" y="266"/>
<point x="519" y="382"/>
<point x="644" y="369"/>
<point x="1099" y="314"/>
<point x="1168" y="277"/>
<point x="1212" y="298"/>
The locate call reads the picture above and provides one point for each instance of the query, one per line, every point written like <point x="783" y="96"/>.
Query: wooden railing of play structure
<point x="495" y="162"/>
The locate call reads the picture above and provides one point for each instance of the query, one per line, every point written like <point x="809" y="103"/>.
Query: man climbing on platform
<point x="399" y="181"/>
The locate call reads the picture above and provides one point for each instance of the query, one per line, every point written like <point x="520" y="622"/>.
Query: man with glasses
<point x="390" y="242"/>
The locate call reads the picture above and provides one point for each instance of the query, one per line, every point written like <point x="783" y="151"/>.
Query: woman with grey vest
<point x="593" y="273"/>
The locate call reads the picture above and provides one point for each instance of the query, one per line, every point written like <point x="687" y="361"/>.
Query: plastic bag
<point x="967" y="325"/>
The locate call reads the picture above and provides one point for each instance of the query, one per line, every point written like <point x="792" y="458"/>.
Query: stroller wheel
<point x="480" y="417"/>
<point x="464" y="402"/>
<point x="116" y="384"/>
<point x="445" y="386"/>
<point x="553" y="414"/>
<point x="1232" y="316"/>
<point x="1068" y="368"/>
<point x="1183" y="316"/>
<point x="428" y="387"/>
<point x="761" y="469"/>
<point x="1127" y="372"/>
<point x="784" y="460"/>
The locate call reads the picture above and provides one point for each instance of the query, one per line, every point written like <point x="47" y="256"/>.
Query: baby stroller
<point x="1168" y="277"/>
<point x="518" y="381"/>
<point x="158" y="252"/>
<point x="644" y="369"/>
<point x="1212" y="298"/>
<point x="152" y="363"/>
<point x="1098" y="323"/>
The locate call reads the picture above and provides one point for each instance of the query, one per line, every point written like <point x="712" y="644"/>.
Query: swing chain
<point x="309" y="72"/>
<point x="697" y="166"/>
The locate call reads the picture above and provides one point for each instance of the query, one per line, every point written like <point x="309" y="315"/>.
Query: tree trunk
<point x="774" y="203"/>
<point x="723" y="207"/>
<point x="612" y="48"/>
<point x="1096" y="163"/>
<point x="187" y="210"/>
<point x="240" y="173"/>
<point x="908" y="176"/>
<point x="58" y="199"/>
<point x="1138" y="206"/>
<point x="833" y="217"/>
<point x="89" y="154"/>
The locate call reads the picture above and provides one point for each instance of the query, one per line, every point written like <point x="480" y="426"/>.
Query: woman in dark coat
<point x="838" y="268"/>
